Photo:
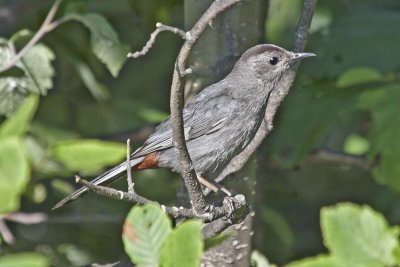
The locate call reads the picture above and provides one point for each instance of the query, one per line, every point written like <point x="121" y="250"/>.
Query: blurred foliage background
<point x="336" y="137"/>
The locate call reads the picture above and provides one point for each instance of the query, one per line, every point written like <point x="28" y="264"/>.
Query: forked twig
<point x="159" y="28"/>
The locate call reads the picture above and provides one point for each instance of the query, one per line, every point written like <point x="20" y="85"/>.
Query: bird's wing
<point x="205" y="114"/>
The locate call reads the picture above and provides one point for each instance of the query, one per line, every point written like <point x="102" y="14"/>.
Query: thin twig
<point x="5" y="232"/>
<point x="277" y="96"/>
<point x="45" y="28"/>
<point x="18" y="217"/>
<point x="26" y="218"/>
<point x="128" y="167"/>
<point x="176" y="104"/>
<point x="132" y="197"/>
<point x="175" y="212"/>
<point x="340" y="158"/>
<point x="159" y="28"/>
<point x="111" y="192"/>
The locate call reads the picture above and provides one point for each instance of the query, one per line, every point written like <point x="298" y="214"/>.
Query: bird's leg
<point x="213" y="186"/>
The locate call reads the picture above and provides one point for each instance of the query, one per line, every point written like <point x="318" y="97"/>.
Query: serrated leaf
<point x="88" y="155"/>
<point x="104" y="40"/>
<point x="358" y="76"/>
<point x="144" y="233"/>
<point x="358" y="236"/>
<point x="384" y="133"/>
<point x="18" y="123"/>
<point x="317" y="261"/>
<point x="27" y="259"/>
<point x="14" y="173"/>
<point x="37" y="66"/>
<point x="184" y="246"/>
<point x="37" y="77"/>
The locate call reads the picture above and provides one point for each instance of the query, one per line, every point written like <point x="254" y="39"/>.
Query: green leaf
<point x="184" y="246"/>
<point x="259" y="260"/>
<point x="98" y="90"/>
<point x="49" y="135"/>
<point x="105" y="42"/>
<point x="38" y="69"/>
<point x="317" y="261"/>
<point x="88" y="155"/>
<point x="358" y="76"/>
<point x="37" y="77"/>
<point x="18" y="123"/>
<point x="384" y="133"/>
<point x="27" y="259"/>
<point x="356" y="145"/>
<point x="14" y="173"/>
<point x="358" y="236"/>
<point x="144" y="233"/>
<point x="24" y="33"/>
<point x="41" y="162"/>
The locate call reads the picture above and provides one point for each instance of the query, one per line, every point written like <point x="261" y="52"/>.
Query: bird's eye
<point x="273" y="60"/>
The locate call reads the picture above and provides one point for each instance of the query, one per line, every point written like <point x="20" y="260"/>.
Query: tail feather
<point x="103" y="179"/>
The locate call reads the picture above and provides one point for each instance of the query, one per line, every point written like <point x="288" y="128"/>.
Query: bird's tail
<point x="102" y="179"/>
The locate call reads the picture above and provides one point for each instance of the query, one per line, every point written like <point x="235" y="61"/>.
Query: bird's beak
<point x="298" y="56"/>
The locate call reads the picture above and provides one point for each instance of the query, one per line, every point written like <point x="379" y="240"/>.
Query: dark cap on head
<point x="261" y="49"/>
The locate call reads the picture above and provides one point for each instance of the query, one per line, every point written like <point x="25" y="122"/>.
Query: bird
<point x="219" y="122"/>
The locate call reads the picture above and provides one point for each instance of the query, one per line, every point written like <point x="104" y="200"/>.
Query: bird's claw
<point x="232" y="204"/>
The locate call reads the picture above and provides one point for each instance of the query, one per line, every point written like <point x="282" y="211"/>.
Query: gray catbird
<point x="219" y="122"/>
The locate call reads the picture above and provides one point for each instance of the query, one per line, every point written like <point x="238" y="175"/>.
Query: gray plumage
<point x="221" y="120"/>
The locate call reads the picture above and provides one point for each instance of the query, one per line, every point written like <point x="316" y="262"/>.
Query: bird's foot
<point x="233" y="205"/>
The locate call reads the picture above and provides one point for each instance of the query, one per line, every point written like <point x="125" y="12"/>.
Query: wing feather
<point x="207" y="113"/>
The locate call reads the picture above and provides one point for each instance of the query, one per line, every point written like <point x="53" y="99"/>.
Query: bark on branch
<point x="176" y="103"/>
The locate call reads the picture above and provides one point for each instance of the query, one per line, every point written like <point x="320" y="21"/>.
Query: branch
<point x="200" y="207"/>
<point x="175" y="212"/>
<point x="18" y="217"/>
<point x="47" y="26"/>
<point x="128" y="167"/>
<point x="26" y="218"/>
<point x="277" y="96"/>
<point x="338" y="157"/>
<point x="160" y="28"/>
<point x="132" y="197"/>
<point x="5" y="233"/>
<point x="176" y="103"/>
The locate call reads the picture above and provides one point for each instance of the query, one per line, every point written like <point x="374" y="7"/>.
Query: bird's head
<point x="267" y="62"/>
